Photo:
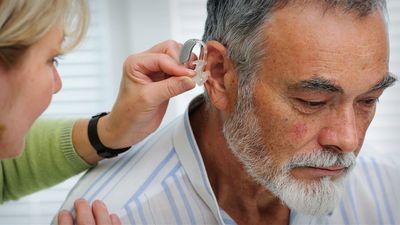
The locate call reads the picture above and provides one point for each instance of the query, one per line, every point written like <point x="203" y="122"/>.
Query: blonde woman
<point x="32" y="35"/>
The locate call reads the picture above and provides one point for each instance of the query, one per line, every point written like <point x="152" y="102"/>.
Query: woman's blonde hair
<point x="24" y="22"/>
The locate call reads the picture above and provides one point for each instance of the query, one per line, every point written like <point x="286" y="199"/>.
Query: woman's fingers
<point x="170" y="47"/>
<point x="101" y="214"/>
<point x="143" y="65"/>
<point x="97" y="214"/>
<point x="65" y="218"/>
<point x="115" y="219"/>
<point x="83" y="213"/>
<point x="169" y="88"/>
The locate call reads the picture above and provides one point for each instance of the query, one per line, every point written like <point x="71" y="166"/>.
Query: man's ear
<point x="220" y="69"/>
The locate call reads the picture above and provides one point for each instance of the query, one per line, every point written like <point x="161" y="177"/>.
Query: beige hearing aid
<point x="201" y="76"/>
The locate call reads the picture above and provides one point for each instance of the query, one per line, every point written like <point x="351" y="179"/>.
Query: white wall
<point x="122" y="27"/>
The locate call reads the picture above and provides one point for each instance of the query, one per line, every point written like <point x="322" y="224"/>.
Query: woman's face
<point x="26" y="91"/>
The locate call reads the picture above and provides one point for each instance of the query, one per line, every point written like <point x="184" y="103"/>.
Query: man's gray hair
<point x="238" y="25"/>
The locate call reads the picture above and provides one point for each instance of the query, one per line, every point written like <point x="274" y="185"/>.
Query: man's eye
<point x="369" y="102"/>
<point x="311" y="104"/>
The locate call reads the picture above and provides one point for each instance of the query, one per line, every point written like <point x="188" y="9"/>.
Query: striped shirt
<point x="164" y="181"/>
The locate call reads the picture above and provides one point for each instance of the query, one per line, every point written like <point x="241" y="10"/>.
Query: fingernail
<point x="101" y="203"/>
<point x="80" y="200"/>
<point x="191" y="72"/>
<point x="187" y="83"/>
<point x="63" y="212"/>
<point x="115" y="219"/>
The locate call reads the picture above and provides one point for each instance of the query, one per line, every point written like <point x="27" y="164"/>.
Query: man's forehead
<point x="303" y="16"/>
<point x="355" y="7"/>
<point x="308" y="42"/>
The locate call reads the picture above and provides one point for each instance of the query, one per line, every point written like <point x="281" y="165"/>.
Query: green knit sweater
<point x="49" y="158"/>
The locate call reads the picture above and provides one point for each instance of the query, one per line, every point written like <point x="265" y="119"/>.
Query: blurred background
<point x="91" y="76"/>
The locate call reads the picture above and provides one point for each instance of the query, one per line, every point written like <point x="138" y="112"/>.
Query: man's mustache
<point x="322" y="159"/>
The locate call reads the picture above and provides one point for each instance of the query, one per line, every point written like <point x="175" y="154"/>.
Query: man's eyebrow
<point x="316" y="84"/>
<point x="386" y="82"/>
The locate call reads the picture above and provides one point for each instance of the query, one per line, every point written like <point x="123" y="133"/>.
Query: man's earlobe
<point x="218" y="66"/>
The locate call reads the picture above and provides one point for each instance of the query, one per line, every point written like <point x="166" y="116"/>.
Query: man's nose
<point x="341" y="131"/>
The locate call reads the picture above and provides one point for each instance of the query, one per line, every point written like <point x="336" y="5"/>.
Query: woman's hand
<point x="149" y="80"/>
<point x="86" y="215"/>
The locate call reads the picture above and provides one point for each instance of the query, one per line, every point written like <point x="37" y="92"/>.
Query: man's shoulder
<point x="149" y="184"/>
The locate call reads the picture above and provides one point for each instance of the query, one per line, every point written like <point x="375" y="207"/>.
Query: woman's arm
<point x="49" y="158"/>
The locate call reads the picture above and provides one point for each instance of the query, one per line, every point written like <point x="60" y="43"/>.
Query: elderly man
<point x="292" y="89"/>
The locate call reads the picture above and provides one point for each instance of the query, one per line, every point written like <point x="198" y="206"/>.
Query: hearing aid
<point x="201" y="77"/>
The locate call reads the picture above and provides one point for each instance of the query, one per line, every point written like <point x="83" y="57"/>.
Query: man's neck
<point x="236" y="192"/>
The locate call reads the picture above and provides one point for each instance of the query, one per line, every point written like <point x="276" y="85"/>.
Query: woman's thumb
<point x="171" y="87"/>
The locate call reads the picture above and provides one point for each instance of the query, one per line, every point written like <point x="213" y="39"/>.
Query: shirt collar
<point x="189" y="155"/>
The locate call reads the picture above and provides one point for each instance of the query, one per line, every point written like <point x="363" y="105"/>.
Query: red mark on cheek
<point x="300" y="130"/>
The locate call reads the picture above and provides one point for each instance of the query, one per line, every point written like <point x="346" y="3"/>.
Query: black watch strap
<point x="94" y="139"/>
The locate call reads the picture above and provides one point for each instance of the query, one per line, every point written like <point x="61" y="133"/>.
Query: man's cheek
<point x="299" y="130"/>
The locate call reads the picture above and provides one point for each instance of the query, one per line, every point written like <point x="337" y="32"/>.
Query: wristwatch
<point x="94" y="139"/>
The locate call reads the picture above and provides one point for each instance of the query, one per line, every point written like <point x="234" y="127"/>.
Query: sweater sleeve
<point x="48" y="158"/>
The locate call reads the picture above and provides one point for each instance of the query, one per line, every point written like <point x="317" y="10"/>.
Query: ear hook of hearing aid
<point x="201" y="77"/>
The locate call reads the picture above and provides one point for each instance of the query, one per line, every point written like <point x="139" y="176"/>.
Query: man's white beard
<point x="244" y="138"/>
<point x="310" y="197"/>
